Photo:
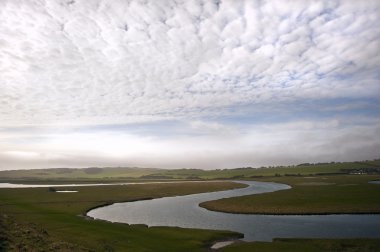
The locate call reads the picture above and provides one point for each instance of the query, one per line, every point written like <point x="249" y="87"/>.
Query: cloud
<point x="198" y="63"/>
<point x="200" y="144"/>
<point x="120" y="60"/>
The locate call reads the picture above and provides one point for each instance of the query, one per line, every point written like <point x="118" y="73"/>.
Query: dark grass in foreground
<point x="310" y="195"/>
<point x="308" y="245"/>
<point x="29" y="237"/>
<point x="55" y="222"/>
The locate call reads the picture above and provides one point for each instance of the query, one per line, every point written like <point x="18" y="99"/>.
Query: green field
<point x="309" y="195"/>
<point x="38" y="219"/>
<point x="308" y="245"/>
<point x="249" y="172"/>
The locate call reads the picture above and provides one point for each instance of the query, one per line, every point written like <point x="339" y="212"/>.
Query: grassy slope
<point x="319" y="195"/>
<point x="29" y="237"/>
<point x="257" y="172"/>
<point x="59" y="215"/>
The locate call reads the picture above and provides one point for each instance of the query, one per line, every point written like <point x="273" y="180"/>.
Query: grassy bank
<point x="309" y="195"/>
<point x="318" y="195"/>
<point x="55" y="222"/>
<point x="308" y="245"/>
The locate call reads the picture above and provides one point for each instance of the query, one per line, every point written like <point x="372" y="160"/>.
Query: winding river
<point x="183" y="211"/>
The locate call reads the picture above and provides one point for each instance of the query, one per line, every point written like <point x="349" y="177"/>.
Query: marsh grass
<point x="308" y="245"/>
<point x="311" y="195"/>
<point x="61" y="216"/>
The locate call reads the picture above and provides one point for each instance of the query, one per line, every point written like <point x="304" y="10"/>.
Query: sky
<point x="188" y="83"/>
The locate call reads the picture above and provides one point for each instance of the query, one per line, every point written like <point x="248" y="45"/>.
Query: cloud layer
<point x="219" y="66"/>
<point x="79" y="61"/>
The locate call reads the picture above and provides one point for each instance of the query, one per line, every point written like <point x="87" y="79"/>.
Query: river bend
<point x="183" y="211"/>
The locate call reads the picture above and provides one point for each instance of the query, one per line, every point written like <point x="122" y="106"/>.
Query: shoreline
<point x="288" y="202"/>
<point x="293" y="213"/>
<point x="85" y="214"/>
<point x="152" y="198"/>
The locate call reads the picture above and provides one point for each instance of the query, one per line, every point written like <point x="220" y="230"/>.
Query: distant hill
<point x="92" y="173"/>
<point x="307" y="169"/>
<point x="135" y="173"/>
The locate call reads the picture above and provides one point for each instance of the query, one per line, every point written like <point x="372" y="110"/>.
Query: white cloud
<point x="93" y="60"/>
<point x="115" y="62"/>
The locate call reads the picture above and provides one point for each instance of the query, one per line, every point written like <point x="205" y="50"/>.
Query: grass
<point x="248" y="172"/>
<point x="319" y="195"/>
<point x="313" y="195"/>
<point x="308" y="245"/>
<point x="56" y="223"/>
<point x="39" y="220"/>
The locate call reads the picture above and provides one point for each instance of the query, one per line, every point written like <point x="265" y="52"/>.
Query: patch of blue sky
<point x="328" y="14"/>
<point x="161" y="128"/>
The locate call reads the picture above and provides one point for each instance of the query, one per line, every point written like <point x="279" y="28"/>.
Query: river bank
<point x="185" y="212"/>
<point x="322" y="195"/>
<point x="60" y="215"/>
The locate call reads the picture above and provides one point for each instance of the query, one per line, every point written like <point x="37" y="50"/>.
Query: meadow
<point x="39" y="219"/>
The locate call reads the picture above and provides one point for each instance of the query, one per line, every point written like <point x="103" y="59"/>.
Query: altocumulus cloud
<point x="188" y="83"/>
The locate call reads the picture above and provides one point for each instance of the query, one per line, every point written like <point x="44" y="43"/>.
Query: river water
<point x="183" y="211"/>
